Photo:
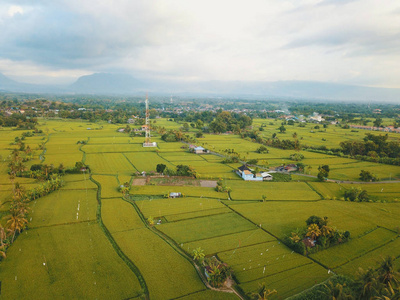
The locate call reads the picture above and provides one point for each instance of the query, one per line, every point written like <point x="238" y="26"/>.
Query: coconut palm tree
<point x="198" y="254"/>
<point x="386" y="272"/>
<point x="313" y="231"/>
<point x="263" y="293"/>
<point x="16" y="222"/>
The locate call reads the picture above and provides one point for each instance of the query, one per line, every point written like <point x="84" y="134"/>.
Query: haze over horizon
<point x="339" y="41"/>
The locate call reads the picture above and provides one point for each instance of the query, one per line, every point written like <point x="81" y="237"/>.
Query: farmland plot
<point x="109" y="163"/>
<point x="154" y="258"/>
<point x="147" y="161"/>
<point x="63" y="261"/>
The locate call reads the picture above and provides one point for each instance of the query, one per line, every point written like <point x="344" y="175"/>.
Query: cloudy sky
<point x="344" y="41"/>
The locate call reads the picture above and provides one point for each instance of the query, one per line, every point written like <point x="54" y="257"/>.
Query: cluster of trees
<point x="368" y="176"/>
<point x="316" y="236"/>
<point x="226" y="121"/>
<point x="18" y="120"/>
<point x="181" y="170"/>
<point x="374" y="146"/>
<point x="356" y="194"/>
<point x="296" y="156"/>
<point x="217" y="271"/>
<point x="222" y="187"/>
<point x="323" y="172"/>
<point x="380" y="283"/>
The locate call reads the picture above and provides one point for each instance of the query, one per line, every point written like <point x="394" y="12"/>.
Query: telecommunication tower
<point x="147" y="142"/>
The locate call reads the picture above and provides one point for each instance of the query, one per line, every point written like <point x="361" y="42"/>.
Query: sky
<point x="340" y="41"/>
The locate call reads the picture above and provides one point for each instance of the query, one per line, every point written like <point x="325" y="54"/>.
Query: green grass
<point x="62" y="207"/>
<point x="206" y="227"/>
<point x="298" y="191"/>
<point x="230" y="242"/>
<point x="281" y="218"/>
<point x="192" y="191"/>
<point x="167" y="274"/>
<point x="147" y="161"/>
<point x="80" y="263"/>
<point x="109" y="163"/>
<point x="175" y="207"/>
<point x="127" y="218"/>
<point x="372" y="259"/>
<point x="341" y="254"/>
<point x="109" y="186"/>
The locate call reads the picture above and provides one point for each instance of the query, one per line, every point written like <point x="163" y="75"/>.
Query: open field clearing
<point x="78" y="182"/>
<point x="300" y="278"/>
<point x="155" y="258"/>
<point x="328" y="190"/>
<point x="280" y="218"/>
<point x="109" y="163"/>
<point x="63" y="207"/>
<point x="127" y="216"/>
<point x="230" y="242"/>
<point x="298" y="191"/>
<point x="63" y="262"/>
<point x="114" y="148"/>
<point x="146" y="161"/>
<point x="205" y="227"/>
<point x="190" y="191"/>
<point x="115" y="139"/>
<point x="209" y="294"/>
<point x="196" y="214"/>
<point x="341" y="254"/>
<point x="68" y="160"/>
<point x="372" y="258"/>
<point x="382" y="191"/>
<point x="178" y="206"/>
<point x="109" y="186"/>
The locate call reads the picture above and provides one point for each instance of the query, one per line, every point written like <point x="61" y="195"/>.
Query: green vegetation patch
<point x="157" y="261"/>
<point x="63" y="261"/>
<point x="207" y="227"/>
<point x="193" y="191"/>
<point x="230" y="242"/>
<point x="177" y="206"/>
<point x="196" y="214"/>
<point x="372" y="258"/>
<point x="300" y="278"/>
<point x="147" y="161"/>
<point x="109" y="186"/>
<point x="109" y="163"/>
<point x="119" y="215"/>
<point x="63" y="206"/>
<point x="341" y="254"/>
<point x="280" y="218"/>
<point x="242" y="190"/>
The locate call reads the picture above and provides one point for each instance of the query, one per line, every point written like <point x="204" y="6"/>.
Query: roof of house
<point x="199" y="148"/>
<point x="265" y="174"/>
<point x="243" y="168"/>
<point x="247" y="172"/>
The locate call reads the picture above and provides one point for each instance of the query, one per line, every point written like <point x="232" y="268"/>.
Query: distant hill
<point x="112" y="84"/>
<point x="9" y="85"/>
<point x="107" y="83"/>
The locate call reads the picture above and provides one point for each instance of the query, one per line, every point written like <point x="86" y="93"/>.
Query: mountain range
<point x="124" y="84"/>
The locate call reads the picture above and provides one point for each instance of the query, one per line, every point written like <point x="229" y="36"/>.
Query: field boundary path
<point x="117" y="249"/>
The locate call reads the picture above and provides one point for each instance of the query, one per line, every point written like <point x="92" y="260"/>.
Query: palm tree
<point x="337" y="291"/>
<point x="263" y="293"/>
<point x="198" y="254"/>
<point x="386" y="272"/>
<point x="368" y="282"/>
<point x="16" y="223"/>
<point x="313" y="231"/>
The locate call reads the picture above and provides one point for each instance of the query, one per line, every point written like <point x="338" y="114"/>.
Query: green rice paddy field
<point x="86" y="241"/>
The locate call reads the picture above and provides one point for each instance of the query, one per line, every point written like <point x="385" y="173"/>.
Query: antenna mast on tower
<point x="147" y="142"/>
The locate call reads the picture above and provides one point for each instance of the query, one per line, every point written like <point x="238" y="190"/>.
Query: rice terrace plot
<point x="117" y="229"/>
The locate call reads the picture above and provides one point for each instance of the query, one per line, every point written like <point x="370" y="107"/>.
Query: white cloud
<point x="15" y="9"/>
<point x="344" y="41"/>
